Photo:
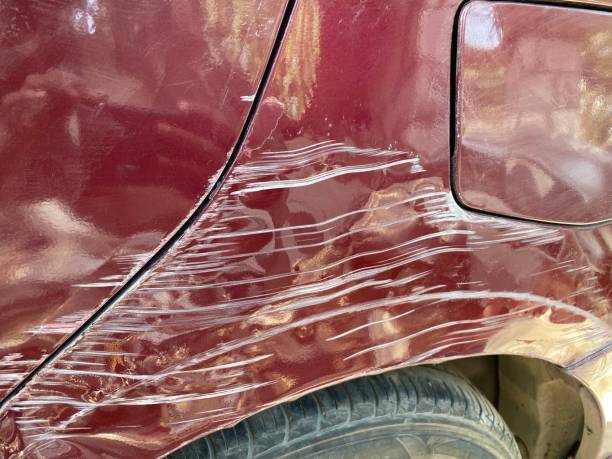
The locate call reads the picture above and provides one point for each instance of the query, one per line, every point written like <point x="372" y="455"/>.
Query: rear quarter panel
<point x="333" y="249"/>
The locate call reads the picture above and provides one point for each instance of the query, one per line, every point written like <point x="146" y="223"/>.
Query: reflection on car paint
<point x="110" y="133"/>
<point x="533" y="112"/>
<point x="333" y="249"/>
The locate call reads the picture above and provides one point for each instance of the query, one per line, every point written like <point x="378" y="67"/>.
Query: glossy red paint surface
<point x="534" y="98"/>
<point x="333" y="249"/>
<point x="115" y="117"/>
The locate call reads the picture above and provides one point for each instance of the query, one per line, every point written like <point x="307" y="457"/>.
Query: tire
<point x="418" y="412"/>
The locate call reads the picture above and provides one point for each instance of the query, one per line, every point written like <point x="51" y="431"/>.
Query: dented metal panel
<point x="115" y="118"/>
<point x="333" y="249"/>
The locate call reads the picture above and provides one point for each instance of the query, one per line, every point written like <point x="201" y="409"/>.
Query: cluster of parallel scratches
<point x="224" y="281"/>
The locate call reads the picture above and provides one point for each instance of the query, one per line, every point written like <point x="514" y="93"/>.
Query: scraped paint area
<point x="115" y="119"/>
<point x="329" y="252"/>
<point x="260" y="303"/>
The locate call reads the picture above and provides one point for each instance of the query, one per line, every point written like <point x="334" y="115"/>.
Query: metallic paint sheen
<point x="534" y="111"/>
<point x="115" y="118"/>
<point x="333" y="249"/>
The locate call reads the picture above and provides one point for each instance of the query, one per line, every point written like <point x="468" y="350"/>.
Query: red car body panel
<point x="533" y="114"/>
<point x="334" y="248"/>
<point x="115" y="119"/>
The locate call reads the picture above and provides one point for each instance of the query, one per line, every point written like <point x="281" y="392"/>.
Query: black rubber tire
<point x="417" y="412"/>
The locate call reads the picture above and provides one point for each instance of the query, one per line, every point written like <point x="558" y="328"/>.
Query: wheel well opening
<point x="540" y="403"/>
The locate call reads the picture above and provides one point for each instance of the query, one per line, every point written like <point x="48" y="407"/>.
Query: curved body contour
<point x="333" y="248"/>
<point x="110" y="135"/>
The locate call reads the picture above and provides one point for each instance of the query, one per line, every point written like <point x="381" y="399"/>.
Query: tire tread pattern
<point x="399" y="393"/>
